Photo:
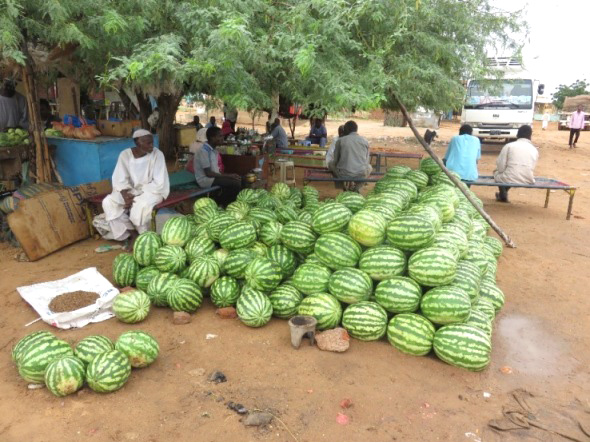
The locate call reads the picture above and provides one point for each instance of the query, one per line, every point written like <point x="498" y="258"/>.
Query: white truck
<point x="496" y="108"/>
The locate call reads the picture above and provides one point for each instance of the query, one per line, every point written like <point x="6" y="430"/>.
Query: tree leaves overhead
<point x="579" y="87"/>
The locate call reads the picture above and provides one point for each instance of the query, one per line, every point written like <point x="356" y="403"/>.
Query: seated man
<point x="330" y="153"/>
<point x="226" y="129"/>
<point x="197" y="122"/>
<point x="516" y="162"/>
<point x="463" y="153"/>
<point x="279" y="135"/>
<point x="212" y="123"/>
<point x="351" y="155"/>
<point x="140" y="182"/>
<point x="318" y="134"/>
<point x="207" y="171"/>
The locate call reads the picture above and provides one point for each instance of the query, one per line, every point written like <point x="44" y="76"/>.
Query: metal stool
<point x="285" y="168"/>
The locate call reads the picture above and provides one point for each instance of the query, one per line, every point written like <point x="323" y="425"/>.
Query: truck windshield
<point x="493" y="94"/>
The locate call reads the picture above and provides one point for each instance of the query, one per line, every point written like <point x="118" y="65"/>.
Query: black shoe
<point x="500" y="199"/>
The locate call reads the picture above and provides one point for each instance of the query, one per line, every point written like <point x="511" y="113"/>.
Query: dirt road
<point x="542" y="335"/>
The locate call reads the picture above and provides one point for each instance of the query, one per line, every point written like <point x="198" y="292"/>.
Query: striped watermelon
<point x="284" y="257"/>
<point x="443" y="203"/>
<point x="365" y="320"/>
<point x="410" y="232"/>
<point x="253" y="308"/>
<point x="397" y="171"/>
<point x="145" y="276"/>
<point x="396" y="184"/>
<point x="184" y="295"/>
<point x="382" y="262"/>
<point x="263" y="274"/>
<point x="332" y="217"/>
<point x="176" y="231"/>
<point x="238" y="209"/>
<point x="428" y="211"/>
<point x="145" y="247"/>
<point x="477" y="256"/>
<point x="236" y="262"/>
<point x="38" y="354"/>
<point x="452" y="240"/>
<point x="480" y="229"/>
<point x="325" y="308"/>
<point x="204" y="271"/>
<point x="65" y="375"/>
<point x="281" y="191"/>
<point x="396" y="199"/>
<point x="131" y="306"/>
<point x="263" y="215"/>
<point x="285" y="301"/>
<point x="141" y="348"/>
<point x="386" y="212"/>
<point x="311" y="278"/>
<point x="239" y="235"/>
<point x="337" y="250"/>
<point x="309" y="192"/>
<point x="200" y="231"/>
<point x="494" y="245"/>
<point x="446" y="304"/>
<point x="248" y="196"/>
<point x="204" y="202"/>
<point x="220" y="255"/>
<point x="399" y="295"/>
<point x="463" y="346"/>
<point x="305" y="217"/>
<point x="480" y="320"/>
<point x="270" y="233"/>
<point x="225" y="292"/>
<point x="429" y="166"/>
<point x="286" y="213"/>
<point x="89" y="347"/>
<point x="269" y="201"/>
<point x="203" y="215"/>
<point x="33" y="337"/>
<point x="411" y="334"/>
<point x="125" y="269"/>
<point x="433" y="267"/>
<point x="170" y="258"/>
<point x="419" y="178"/>
<point x="493" y="293"/>
<point x="352" y="200"/>
<point x="486" y="306"/>
<point x="350" y="285"/>
<point x="216" y="225"/>
<point x="156" y="290"/>
<point x="367" y="227"/>
<point x="259" y="248"/>
<point x="468" y="278"/>
<point x="108" y="371"/>
<point x="298" y="237"/>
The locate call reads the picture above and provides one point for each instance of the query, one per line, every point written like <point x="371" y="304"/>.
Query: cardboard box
<point x="52" y="220"/>
<point x="118" y="129"/>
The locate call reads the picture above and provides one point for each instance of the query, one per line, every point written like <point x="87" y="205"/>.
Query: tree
<point x="579" y="87"/>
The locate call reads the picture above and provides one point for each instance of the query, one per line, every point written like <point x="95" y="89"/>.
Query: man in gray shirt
<point x="351" y="155"/>
<point x="13" y="107"/>
<point x="279" y="135"/>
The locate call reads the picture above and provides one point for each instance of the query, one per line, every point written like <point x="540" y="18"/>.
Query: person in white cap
<point x="140" y="182"/>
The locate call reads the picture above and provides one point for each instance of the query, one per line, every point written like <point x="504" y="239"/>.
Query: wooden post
<point x="454" y="179"/>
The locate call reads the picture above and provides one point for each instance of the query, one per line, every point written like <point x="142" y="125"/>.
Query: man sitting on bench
<point x="516" y="162"/>
<point x="140" y="182"/>
<point x="351" y="155"/>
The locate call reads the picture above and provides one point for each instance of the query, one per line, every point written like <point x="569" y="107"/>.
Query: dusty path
<point x="542" y="334"/>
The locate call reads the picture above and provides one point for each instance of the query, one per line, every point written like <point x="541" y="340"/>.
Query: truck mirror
<point x="541" y="89"/>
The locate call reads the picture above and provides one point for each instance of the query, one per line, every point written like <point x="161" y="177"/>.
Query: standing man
<point x="13" y="107"/>
<point x="546" y="118"/>
<point x="351" y="155"/>
<point x="318" y="134"/>
<point x="576" y="125"/>
<point x="516" y="162"/>
<point x="232" y="116"/>
<point x="463" y="153"/>
<point x="279" y="135"/>
<point x="212" y="123"/>
<point x="140" y="182"/>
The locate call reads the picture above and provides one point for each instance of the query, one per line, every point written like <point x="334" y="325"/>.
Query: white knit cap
<point x="140" y="133"/>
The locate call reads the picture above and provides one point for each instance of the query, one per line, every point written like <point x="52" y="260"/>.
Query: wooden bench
<point x="378" y="155"/>
<point x="327" y="176"/>
<point x="549" y="184"/>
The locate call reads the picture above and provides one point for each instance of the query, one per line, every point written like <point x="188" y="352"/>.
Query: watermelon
<point x="156" y="290"/>
<point x="410" y="232"/>
<point x="298" y="237"/>
<point x="37" y="354"/>
<point x="350" y="285"/>
<point x="285" y="301"/>
<point x="337" y="250"/>
<point x="388" y="184"/>
<point x="399" y="295"/>
<point x="480" y="320"/>
<point x="108" y="371"/>
<point x="281" y="191"/>
<point x="26" y="340"/>
<point x="239" y="235"/>
<point x="238" y="209"/>
<point x="216" y="225"/>
<point x="480" y="229"/>
<point x="429" y="166"/>
<point x="476" y="254"/>
<point x="236" y="262"/>
<point x="367" y="227"/>
<point x="305" y="217"/>
<point x="352" y="200"/>
<point x="433" y="267"/>
<point x="443" y="203"/>
<point x="145" y="276"/>
<point x="494" y="245"/>
<point x="365" y="320"/>
<point x="247" y="196"/>
<point x="141" y="348"/>
<point x="220" y="255"/>
<point x="170" y="258"/>
<point x="263" y="215"/>
<point x="131" y="306"/>
<point x="204" y="202"/>
<point x="259" y="248"/>
<point x="145" y="247"/>
<point x="486" y="306"/>
<point x="204" y="271"/>
<point x="419" y="178"/>
<point x="176" y="231"/>
<point x="284" y="257"/>
<point x="396" y="200"/>
<point x="89" y="347"/>
<point x="286" y="213"/>
<point x="468" y="278"/>
<point x="493" y="293"/>
<point x="253" y="308"/>
<point x="331" y="217"/>
<point x="125" y="269"/>
<point x="270" y="233"/>
<point x="263" y="274"/>
<point x="446" y="304"/>
<point x="65" y="375"/>
<point x="428" y="211"/>
<point x="411" y="334"/>
<point x="269" y="201"/>
<point x="225" y="292"/>
<point x="463" y="346"/>
<point x="203" y="215"/>
<point x="397" y="171"/>
<point x="311" y="278"/>
<point x="184" y="295"/>
<point x="383" y="262"/>
<point x="325" y="308"/>
<point x="386" y="212"/>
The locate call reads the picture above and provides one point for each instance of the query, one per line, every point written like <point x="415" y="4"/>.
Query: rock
<point x="346" y="403"/>
<point x="227" y="313"/>
<point x="217" y="377"/>
<point x="258" y="419"/>
<point x="199" y="372"/>
<point x="335" y="340"/>
<point x="181" y="318"/>
<point x="238" y="407"/>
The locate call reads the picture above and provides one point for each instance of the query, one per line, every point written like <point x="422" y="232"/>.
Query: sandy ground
<point x="542" y="335"/>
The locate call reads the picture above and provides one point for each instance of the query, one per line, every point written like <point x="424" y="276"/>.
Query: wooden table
<point x="243" y="164"/>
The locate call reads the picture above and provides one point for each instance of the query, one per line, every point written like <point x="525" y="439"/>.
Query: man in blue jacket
<point x="463" y="153"/>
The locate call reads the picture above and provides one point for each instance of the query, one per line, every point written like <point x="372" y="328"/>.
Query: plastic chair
<point x="287" y="172"/>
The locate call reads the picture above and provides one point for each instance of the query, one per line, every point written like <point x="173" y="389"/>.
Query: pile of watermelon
<point x="42" y="358"/>
<point x="411" y="261"/>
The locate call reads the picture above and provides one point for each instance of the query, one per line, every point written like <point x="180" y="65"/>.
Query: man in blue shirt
<point x="318" y="134"/>
<point x="463" y="153"/>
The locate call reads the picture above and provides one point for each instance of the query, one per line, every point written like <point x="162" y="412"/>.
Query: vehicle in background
<point x="570" y="105"/>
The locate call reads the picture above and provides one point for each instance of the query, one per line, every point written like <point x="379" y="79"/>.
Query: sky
<point x="558" y="48"/>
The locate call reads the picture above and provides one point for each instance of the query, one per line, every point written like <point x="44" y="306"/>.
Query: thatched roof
<point x="571" y="103"/>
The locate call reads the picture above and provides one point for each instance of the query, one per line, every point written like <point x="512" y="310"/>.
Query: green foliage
<point x="579" y="87"/>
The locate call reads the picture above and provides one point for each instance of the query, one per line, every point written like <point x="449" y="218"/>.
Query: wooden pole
<point x="454" y="179"/>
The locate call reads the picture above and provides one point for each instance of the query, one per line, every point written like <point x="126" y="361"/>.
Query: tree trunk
<point x="168" y="105"/>
<point x="145" y="108"/>
<point x="275" y="106"/>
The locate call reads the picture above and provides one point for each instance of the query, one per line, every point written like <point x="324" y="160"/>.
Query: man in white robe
<point x="140" y="182"/>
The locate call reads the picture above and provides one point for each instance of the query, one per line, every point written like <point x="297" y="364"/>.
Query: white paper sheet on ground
<point x="90" y="280"/>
